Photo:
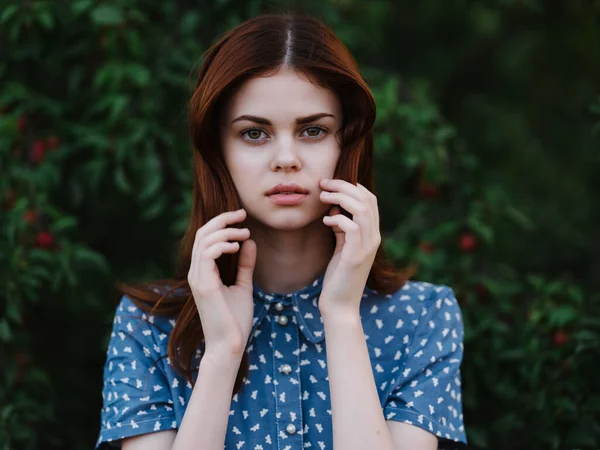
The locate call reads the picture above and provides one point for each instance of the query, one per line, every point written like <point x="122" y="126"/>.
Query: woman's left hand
<point x="357" y="241"/>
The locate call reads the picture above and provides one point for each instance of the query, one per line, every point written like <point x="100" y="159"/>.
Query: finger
<point x="214" y="224"/>
<point x="373" y="199"/>
<point x="226" y="234"/>
<point x="346" y="227"/>
<point x="202" y="268"/>
<point x="367" y="193"/>
<point x="246" y="264"/>
<point x="361" y="212"/>
<point x="345" y="187"/>
<point x="218" y="249"/>
<point x="221" y="221"/>
<point x="350" y="204"/>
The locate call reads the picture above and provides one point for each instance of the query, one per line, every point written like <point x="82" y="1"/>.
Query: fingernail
<point x="325" y="180"/>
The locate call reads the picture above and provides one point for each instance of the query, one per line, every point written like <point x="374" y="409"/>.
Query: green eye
<point x="254" y="134"/>
<point x="320" y="132"/>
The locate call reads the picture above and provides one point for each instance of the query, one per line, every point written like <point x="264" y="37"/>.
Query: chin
<point x="288" y="218"/>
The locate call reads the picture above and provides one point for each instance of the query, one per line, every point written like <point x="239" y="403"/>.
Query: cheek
<point x="326" y="161"/>
<point x="240" y="164"/>
<point x="243" y="174"/>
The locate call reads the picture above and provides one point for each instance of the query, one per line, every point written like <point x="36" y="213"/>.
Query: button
<point x="286" y="368"/>
<point x="282" y="320"/>
<point x="291" y="428"/>
<point x="279" y="306"/>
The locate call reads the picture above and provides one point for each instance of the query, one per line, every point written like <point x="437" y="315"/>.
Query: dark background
<point x="487" y="162"/>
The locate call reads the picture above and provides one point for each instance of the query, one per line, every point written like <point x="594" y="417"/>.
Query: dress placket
<point x="286" y="374"/>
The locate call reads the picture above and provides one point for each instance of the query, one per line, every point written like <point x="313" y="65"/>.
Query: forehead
<point x="284" y="95"/>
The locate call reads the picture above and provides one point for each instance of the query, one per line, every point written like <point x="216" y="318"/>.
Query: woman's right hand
<point x="226" y="312"/>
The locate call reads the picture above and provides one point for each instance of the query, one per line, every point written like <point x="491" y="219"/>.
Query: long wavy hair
<point x="259" y="47"/>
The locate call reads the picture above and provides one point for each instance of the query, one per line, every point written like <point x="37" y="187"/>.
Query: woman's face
<point x="269" y="138"/>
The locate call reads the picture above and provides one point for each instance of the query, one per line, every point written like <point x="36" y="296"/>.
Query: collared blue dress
<point x="415" y="343"/>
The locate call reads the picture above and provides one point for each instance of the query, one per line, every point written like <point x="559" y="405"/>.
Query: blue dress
<point x="415" y="343"/>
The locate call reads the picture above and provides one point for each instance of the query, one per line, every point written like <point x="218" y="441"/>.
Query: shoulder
<point x="422" y="291"/>
<point x="411" y="296"/>
<point x="133" y="321"/>
<point x="418" y="306"/>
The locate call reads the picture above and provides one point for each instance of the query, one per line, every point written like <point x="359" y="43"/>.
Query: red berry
<point x="564" y="364"/>
<point x="52" y="142"/>
<point x="560" y="338"/>
<point x="482" y="290"/>
<point x="21" y="358"/>
<point x="429" y="190"/>
<point x="10" y="199"/>
<point x="21" y="123"/>
<point x="426" y="247"/>
<point x="44" y="240"/>
<point x="467" y="243"/>
<point x="30" y="216"/>
<point x="38" y="151"/>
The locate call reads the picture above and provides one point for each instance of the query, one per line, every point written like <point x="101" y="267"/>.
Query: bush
<point x="485" y="165"/>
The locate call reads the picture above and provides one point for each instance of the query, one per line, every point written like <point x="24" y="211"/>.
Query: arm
<point x="357" y="416"/>
<point x="358" y="421"/>
<point x="409" y="437"/>
<point x="209" y="406"/>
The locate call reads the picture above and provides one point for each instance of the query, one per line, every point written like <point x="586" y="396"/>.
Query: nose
<point x="286" y="157"/>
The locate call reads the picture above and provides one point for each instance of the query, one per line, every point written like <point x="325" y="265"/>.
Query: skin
<point x="294" y="244"/>
<point x="292" y="241"/>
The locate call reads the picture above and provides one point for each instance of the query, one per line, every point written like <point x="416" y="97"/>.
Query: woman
<point x="285" y="328"/>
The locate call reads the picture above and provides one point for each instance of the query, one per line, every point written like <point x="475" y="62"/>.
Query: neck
<point x="289" y="260"/>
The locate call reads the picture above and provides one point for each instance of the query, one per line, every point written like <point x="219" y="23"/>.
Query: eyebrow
<point x="299" y="120"/>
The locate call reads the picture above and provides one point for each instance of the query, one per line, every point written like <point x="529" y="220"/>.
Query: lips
<point x="287" y="189"/>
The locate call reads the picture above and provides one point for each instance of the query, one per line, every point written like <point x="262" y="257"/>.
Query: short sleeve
<point x="135" y="394"/>
<point x="428" y="391"/>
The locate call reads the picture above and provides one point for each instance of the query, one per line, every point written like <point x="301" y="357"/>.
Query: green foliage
<point x="486" y="151"/>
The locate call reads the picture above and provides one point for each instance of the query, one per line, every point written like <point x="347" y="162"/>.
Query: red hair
<point x="260" y="47"/>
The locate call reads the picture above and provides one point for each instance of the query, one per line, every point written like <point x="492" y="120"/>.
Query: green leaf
<point x="64" y="224"/>
<point x="189" y="22"/>
<point x="46" y="20"/>
<point x="586" y="335"/>
<point x="86" y="255"/>
<point x="513" y="355"/>
<point x="566" y="403"/>
<point x="8" y="13"/>
<point x="107" y="15"/>
<point x="562" y="316"/>
<point x="121" y="180"/>
<point x="118" y="105"/>
<point x="139" y="74"/>
<point x="519" y="218"/>
<point x="13" y="312"/>
<point x="154" y="209"/>
<point x="37" y="255"/>
<point x="80" y="6"/>
<point x="67" y="267"/>
<point x="42" y="273"/>
<point x="4" y="330"/>
<point x="151" y="169"/>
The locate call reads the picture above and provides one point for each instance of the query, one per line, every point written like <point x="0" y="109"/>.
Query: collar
<point x="303" y="304"/>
